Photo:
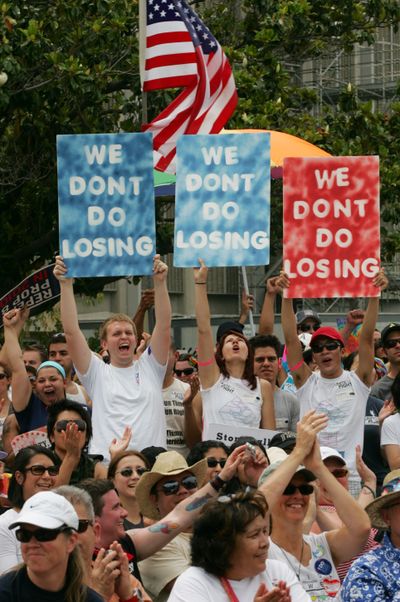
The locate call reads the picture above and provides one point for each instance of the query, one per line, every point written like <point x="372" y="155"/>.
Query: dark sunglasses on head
<point x="319" y="347"/>
<point x="61" y="425"/>
<point x="304" y="489"/>
<point x="24" y="536"/>
<point x="212" y="462"/>
<point x="185" y="371"/>
<point x="172" y="487"/>
<point x="38" y="470"/>
<point x="392" y="343"/>
<point x="128" y="472"/>
<point x="338" y="473"/>
<point x="308" y="327"/>
<point x="84" y="524"/>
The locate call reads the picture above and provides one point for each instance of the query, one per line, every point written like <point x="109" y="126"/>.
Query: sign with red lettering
<point x="331" y="229"/>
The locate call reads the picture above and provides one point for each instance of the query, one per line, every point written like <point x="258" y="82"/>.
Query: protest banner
<point x="331" y="230"/>
<point x="106" y="203"/>
<point x="222" y="207"/>
<point x="38" y="291"/>
<point x="228" y="433"/>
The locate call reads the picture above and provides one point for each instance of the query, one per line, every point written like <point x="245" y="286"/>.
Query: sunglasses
<point x="128" y="472"/>
<point x="185" y="371"/>
<point x="212" y="462"/>
<point x="319" y="347"/>
<point x="308" y="327"/>
<point x="172" y="487"/>
<point x="38" y="470"/>
<point x="84" y="524"/>
<point x="392" y="343"/>
<point x="304" y="489"/>
<point x="338" y="473"/>
<point x="61" y="425"/>
<point x="25" y="536"/>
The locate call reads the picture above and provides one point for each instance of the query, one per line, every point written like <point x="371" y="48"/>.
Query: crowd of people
<point x="113" y="490"/>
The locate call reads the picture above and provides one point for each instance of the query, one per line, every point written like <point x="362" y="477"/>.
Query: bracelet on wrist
<point x="217" y="483"/>
<point x="371" y="491"/>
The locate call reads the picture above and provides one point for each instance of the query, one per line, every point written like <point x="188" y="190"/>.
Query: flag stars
<point x="162" y="13"/>
<point x="205" y="36"/>
<point x="151" y="15"/>
<point x="156" y="7"/>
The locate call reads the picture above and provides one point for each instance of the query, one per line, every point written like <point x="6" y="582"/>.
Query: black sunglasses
<point x="128" y="472"/>
<point x="172" y="487"/>
<point x="339" y="473"/>
<point x="185" y="371"/>
<point x="61" y="425"/>
<point x="308" y="327"/>
<point x="212" y="462"/>
<point x="391" y="343"/>
<point x="319" y="347"/>
<point x="305" y="489"/>
<point x="38" y="470"/>
<point x="24" y="536"/>
<point x="84" y="524"/>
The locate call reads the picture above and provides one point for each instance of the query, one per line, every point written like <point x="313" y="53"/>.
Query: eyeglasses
<point x="319" y="347"/>
<point x="308" y="327"/>
<point x="338" y="473"/>
<point x="392" y="343"/>
<point x="61" y="425"/>
<point x="304" y="489"/>
<point x="25" y="536"/>
<point x="185" y="371"/>
<point x="212" y="462"/>
<point x="84" y="524"/>
<point x="128" y="472"/>
<point x="38" y="470"/>
<point x="172" y="487"/>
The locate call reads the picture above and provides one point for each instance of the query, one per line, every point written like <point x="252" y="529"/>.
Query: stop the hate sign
<point x="331" y="226"/>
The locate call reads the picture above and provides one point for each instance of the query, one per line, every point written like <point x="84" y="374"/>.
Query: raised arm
<point x="146" y="303"/>
<point x="267" y="316"/>
<point x="366" y="341"/>
<point x="208" y="369"/>
<point x="151" y="539"/>
<point x="77" y="345"/>
<point x="298" y="368"/>
<point x="267" y="408"/>
<point x="348" y="540"/>
<point x="193" y="413"/>
<point x="161" y="335"/>
<point x="21" y="386"/>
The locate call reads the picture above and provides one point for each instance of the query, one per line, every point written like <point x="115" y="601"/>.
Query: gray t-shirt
<point x="287" y="410"/>
<point x="381" y="388"/>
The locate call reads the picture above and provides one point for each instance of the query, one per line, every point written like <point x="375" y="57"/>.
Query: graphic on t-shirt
<point x="236" y="410"/>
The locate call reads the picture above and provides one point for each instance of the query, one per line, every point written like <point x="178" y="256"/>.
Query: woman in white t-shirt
<point x="229" y="557"/>
<point x="230" y="392"/>
<point x="390" y="432"/>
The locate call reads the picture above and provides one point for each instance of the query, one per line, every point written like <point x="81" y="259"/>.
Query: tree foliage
<point x="72" y="67"/>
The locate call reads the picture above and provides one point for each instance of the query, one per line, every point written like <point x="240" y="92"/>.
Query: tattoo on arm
<point x="164" y="527"/>
<point x="198" y="502"/>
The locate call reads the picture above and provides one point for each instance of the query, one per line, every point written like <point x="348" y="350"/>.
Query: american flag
<point x="180" y="51"/>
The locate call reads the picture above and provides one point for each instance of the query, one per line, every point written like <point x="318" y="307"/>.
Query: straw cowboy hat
<point x="167" y="464"/>
<point x="390" y="495"/>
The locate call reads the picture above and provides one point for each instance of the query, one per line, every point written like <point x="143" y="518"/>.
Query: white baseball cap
<point x="48" y="510"/>
<point x="330" y="452"/>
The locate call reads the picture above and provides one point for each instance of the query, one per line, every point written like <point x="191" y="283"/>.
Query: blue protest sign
<point x="106" y="203"/>
<point x="222" y="208"/>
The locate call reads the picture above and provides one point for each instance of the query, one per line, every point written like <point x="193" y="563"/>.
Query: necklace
<point x="297" y="573"/>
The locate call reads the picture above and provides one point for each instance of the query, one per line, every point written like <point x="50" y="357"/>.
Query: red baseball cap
<point x="329" y="333"/>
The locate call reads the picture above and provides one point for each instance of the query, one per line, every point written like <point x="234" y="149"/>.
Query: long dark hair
<point x="22" y="459"/>
<point x="248" y="371"/>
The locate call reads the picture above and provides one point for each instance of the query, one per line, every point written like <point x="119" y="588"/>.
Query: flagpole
<point x="246" y="290"/>
<point x="142" y="54"/>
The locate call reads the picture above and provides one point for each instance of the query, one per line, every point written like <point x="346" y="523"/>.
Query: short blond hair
<point x="111" y="320"/>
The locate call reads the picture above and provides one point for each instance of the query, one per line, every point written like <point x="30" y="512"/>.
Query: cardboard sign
<point x="222" y="209"/>
<point x="228" y="433"/>
<point x="106" y="204"/>
<point x="38" y="291"/>
<point x="331" y="226"/>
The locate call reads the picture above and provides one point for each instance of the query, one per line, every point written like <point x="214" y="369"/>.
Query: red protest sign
<point x="331" y="232"/>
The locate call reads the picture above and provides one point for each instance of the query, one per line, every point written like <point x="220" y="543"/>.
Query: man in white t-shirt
<point x="127" y="391"/>
<point x="339" y="394"/>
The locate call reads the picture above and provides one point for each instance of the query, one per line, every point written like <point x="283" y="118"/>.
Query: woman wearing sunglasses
<point x="69" y="428"/>
<point x="35" y="470"/>
<point x="230" y="392"/>
<point x="215" y="452"/>
<point x="125" y="470"/>
<point x="52" y="568"/>
<point x="230" y="556"/>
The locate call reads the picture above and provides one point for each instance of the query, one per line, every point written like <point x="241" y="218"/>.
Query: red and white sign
<point x="331" y="228"/>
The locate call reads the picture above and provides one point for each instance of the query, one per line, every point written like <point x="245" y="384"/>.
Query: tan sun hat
<point x="390" y="494"/>
<point x="170" y="463"/>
